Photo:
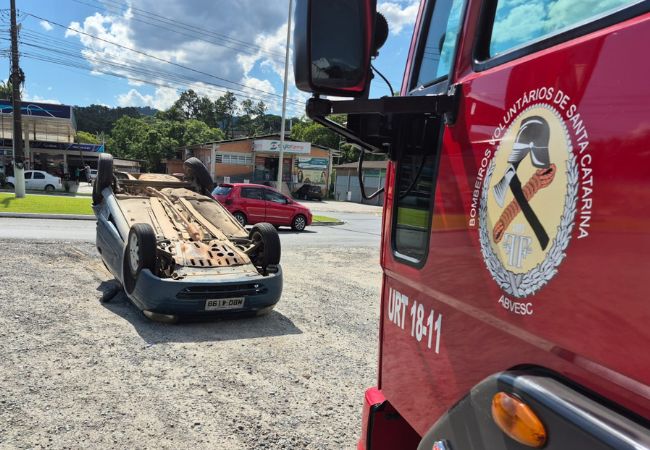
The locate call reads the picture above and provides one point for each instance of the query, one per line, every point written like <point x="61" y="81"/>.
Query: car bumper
<point x="188" y="298"/>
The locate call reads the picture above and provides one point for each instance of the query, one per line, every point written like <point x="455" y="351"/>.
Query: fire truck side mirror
<point x="333" y="43"/>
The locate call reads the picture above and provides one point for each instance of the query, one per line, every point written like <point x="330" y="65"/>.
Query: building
<point x="256" y="160"/>
<point x="347" y="186"/>
<point x="48" y="133"/>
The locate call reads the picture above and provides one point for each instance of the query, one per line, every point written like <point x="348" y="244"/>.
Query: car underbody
<point x="194" y="233"/>
<point x="177" y="251"/>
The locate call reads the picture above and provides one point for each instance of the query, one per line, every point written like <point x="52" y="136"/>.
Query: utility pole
<point x="284" y="99"/>
<point x="17" y="138"/>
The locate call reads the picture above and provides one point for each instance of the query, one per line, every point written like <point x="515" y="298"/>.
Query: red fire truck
<point x="514" y="312"/>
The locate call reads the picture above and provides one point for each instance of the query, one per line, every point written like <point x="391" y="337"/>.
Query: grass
<point x="325" y="219"/>
<point x="45" y="204"/>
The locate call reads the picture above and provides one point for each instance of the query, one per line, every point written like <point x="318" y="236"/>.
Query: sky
<point x="167" y="46"/>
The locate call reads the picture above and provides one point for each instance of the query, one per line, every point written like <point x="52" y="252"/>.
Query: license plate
<point x="224" y="303"/>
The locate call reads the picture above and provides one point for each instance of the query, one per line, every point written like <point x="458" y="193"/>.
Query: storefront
<point x="48" y="136"/>
<point x="256" y="160"/>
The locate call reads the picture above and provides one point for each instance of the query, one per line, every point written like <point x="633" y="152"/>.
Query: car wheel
<point x="49" y="188"/>
<point x="104" y="177"/>
<point x="140" y="253"/>
<point x="299" y="223"/>
<point x="10" y="185"/>
<point x="197" y="171"/>
<point x="241" y="218"/>
<point x="267" y="245"/>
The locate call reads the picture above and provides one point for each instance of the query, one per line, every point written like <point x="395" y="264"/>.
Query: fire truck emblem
<point x="528" y="202"/>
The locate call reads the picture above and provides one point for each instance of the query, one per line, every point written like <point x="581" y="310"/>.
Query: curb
<point x="47" y="216"/>
<point x="325" y="224"/>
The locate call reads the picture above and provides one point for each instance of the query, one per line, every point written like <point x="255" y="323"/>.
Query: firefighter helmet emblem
<point x="528" y="202"/>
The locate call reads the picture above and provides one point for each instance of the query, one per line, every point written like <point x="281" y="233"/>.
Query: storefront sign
<point x="313" y="163"/>
<point x="38" y="109"/>
<point x="274" y="146"/>
<point x="95" y="148"/>
<point x="311" y="170"/>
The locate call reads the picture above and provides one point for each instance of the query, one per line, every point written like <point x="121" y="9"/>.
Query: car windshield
<point x="222" y="190"/>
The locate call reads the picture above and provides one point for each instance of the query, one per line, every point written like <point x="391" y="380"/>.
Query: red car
<point x="254" y="203"/>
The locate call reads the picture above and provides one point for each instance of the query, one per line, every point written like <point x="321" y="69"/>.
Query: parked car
<point x="254" y="203"/>
<point x="177" y="252"/>
<point x="38" y="180"/>
<point x="309" y="192"/>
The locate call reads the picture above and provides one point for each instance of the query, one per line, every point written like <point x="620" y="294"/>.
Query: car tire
<point x="299" y="223"/>
<point x="241" y="217"/>
<point x="140" y="254"/>
<point x="49" y="188"/>
<point x="199" y="173"/>
<point x="10" y="185"/>
<point x="266" y="237"/>
<point x="104" y="177"/>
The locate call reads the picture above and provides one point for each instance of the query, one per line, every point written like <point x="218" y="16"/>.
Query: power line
<point x="50" y="50"/>
<point x="153" y="57"/>
<point x="189" y="30"/>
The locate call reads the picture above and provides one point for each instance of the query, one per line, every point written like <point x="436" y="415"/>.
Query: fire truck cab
<point x="515" y="230"/>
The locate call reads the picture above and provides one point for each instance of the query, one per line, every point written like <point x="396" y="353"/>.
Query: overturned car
<point x="177" y="252"/>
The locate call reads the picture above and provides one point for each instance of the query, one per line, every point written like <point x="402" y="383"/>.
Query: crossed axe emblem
<point x="533" y="139"/>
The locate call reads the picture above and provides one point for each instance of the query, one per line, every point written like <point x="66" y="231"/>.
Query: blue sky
<point x="238" y="44"/>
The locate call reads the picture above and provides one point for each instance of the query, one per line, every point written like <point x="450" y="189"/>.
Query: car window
<point x="222" y="190"/>
<point x="39" y="176"/>
<point x="275" y="197"/>
<point x="28" y="175"/>
<point x="438" y="52"/>
<point x="252" y="193"/>
<point x="518" y="23"/>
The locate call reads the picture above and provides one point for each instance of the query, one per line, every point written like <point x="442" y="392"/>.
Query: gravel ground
<point x="76" y="373"/>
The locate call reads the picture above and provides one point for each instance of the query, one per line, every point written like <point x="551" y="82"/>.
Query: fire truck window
<point x="415" y="182"/>
<point x="436" y="57"/>
<point x="519" y="23"/>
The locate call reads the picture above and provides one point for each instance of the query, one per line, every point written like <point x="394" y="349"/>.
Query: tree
<point x="188" y="104"/>
<point x="225" y="110"/>
<point x="100" y="118"/>
<point x="83" y="137"/>
<point x="309" y="131"/>
<point x="207" y="112"/>
<point x="6" y="90"/>
<point x="197" y="132"/>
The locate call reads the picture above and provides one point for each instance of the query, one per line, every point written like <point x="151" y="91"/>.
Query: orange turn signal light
<point x="517" y="420"/>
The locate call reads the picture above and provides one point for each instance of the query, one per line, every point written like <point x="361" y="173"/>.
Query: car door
<point x="555" y="103"/>
<point x="500" y="234"/>
<point x="278" y="208"/>
<point x="38" y="181"/>
<point x="253" y="203"/>
<point x="29" y="183"/>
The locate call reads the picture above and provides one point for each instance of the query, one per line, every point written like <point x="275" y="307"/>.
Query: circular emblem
<point x="528" y="202"/>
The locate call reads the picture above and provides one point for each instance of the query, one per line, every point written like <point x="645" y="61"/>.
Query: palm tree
<point x="6" y="90"/>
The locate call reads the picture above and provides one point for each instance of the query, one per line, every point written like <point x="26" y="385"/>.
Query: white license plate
<point x="224" y="303"/>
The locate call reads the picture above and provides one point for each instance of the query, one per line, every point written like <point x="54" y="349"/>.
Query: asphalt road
<point x="359" y="230"/>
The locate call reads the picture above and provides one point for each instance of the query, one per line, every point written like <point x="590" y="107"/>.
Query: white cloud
<point x="162" y="98"/>
<point x="27" y="97"/>
<point x="261" y="24"/>
<point x="399" y="14"/>
<point x="47" y="26"/>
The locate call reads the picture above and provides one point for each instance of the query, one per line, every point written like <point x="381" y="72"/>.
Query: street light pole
<point x="17" y="138"/>
<point x="284" y="99"/>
